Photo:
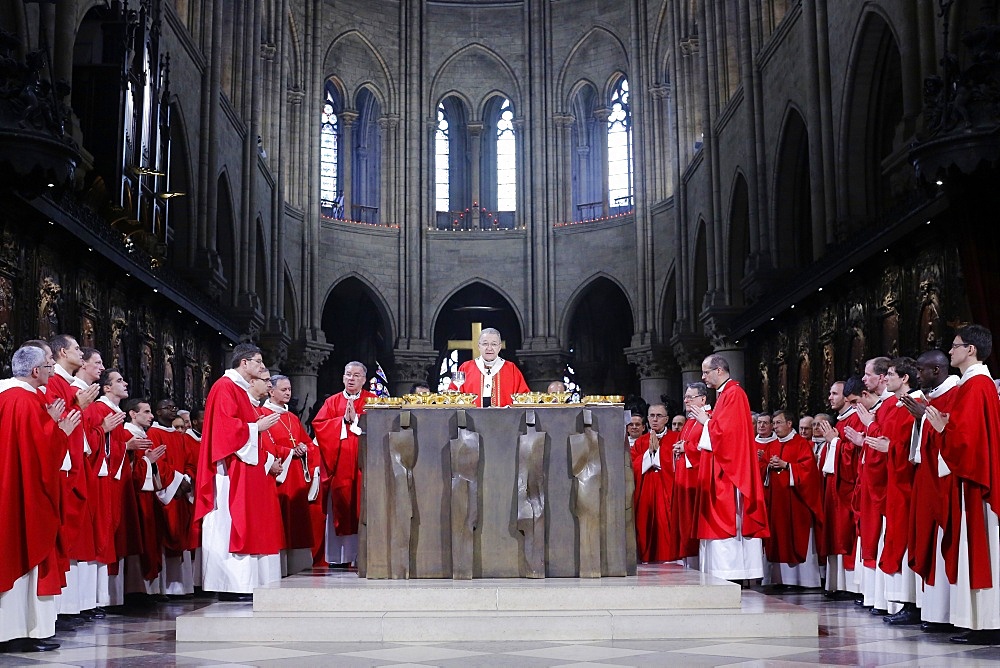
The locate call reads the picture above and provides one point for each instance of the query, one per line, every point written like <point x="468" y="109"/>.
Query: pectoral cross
<point x="473" y="343"/>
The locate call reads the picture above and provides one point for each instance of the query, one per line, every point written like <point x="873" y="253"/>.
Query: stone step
<point x="758" y="616"/>
<point x="656" y="588"/>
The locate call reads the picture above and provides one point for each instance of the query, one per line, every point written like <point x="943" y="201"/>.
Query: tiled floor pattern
<point x="848" y="637"/>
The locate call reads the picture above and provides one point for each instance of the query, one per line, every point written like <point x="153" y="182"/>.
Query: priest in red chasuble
<point x="32" y="448"/>
<point x="240" y="543"/>
<point x="732" y="518"/>
<point x="653" y="468"/>
<point x="491" y="377"/>
<point x="793" y="492"/>
<point x="687" y="457"/>
<point x="336" y="428"/>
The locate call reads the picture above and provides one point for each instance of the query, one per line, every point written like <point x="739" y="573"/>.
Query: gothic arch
<point x="293" y="56"/>
<point x="351" y="46"/>
<point x="490" y="285"/>
<point x="227" y="235"/>
<point x="262" y="276"/>
<point x="738" y="239"/>
<point x="873" y="104"/>
<point x="598" y="329"/>
<point x="609" y="85"/>
<point x="668" y="304"/>
<point x="699" y="270"/>
<point x="469" y="60"/>
<point x="290" y="312"/>
<point x="597" y="48"/>
<point x="574" y="301"/>
<point x="369" y="286"/>
<point x="792" y="195"/>
<point x="181" y="171"/>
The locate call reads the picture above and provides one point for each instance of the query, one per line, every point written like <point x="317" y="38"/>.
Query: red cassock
<point x="32" y="448"/>
<point x="150" y="518"/>
<point x="840" y="532"/>
<point x="793" y="510"/>
<point x="106" y="458"/>
<point x="684" y="502"/>
<point x="507" y="381"/>
<point x="731" y="465"/>
<point x="971" y="449"/>
<point x="898" y="428"/>
<point x="76" y="535"/>
<point x="178" y="514"/>
<point x="934" y="494"/>
<point x="340" y="460"/>
<point x="869" y="496"/>
<point x="297" y="511"/>
<point x="654" y="488"/>
<point x="253" y="501"/>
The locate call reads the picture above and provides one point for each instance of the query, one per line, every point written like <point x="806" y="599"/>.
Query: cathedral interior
<point x="620" y="187"/>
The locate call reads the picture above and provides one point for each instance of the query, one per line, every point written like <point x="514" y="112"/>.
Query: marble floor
<point x="849" y="636"/>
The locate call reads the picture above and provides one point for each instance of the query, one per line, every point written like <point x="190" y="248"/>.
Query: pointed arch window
<point x="330" y="195"/>
<point x="620" y="149"/>
<point x="442" y="155"/>
<point x="506" y="159"/>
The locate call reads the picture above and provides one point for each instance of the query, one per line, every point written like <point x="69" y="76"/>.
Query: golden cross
<point x="473" y="343"/>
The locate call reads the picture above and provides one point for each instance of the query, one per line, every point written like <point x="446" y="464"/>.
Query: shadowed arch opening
<point x="357" y="325"/>
<point x="600" y="329"/>
<point x="225" y="236"/>
<point x="793" y="197"/>
<point x="700" y="275"/>
<point x="473" y="303"/>
<point x="739" y="240"/>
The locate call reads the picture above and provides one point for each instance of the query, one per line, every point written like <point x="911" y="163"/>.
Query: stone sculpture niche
<point x="464" y="499"/>
<point x="531" y="497"/>
<point x="585" y="456"/>
<point x="402" y="458"/>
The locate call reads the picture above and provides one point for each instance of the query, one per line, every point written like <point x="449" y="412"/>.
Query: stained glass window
<point x="329" y="146"/>
<point x="620" y="148"/>
<point x="442" y="148"/>
<point x="506" y="160"/>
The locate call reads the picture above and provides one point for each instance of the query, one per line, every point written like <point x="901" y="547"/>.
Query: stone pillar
<point x="413" y="366"/>
<point x="475" y="146"/>
<point x="346" y="156"/>
<point x="564" y="151"/>
<point x="602" y="115"/>
<point x="689" y="351"/>
<point x="302" y="368"/>
<point x="387" y="134"/>
<point x="541" y="367"/>
<point x="658" y="372"/>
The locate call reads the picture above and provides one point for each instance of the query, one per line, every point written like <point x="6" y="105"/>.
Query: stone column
<point x="689" y="351"/>
<point x="541" y="367"/>
<point x="346" y="157"/>
<point x="302" y="368"/>
<point x="475" y="146"/>
<point x="387" y="133"/>
<point x="413" y="366"/>
<point x="564" y="153"/>
<point x="602" y="115"/>
<point x="658" y="372"/>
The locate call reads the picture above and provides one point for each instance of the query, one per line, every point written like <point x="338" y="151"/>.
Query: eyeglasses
<point x="47" y="366"/>
<point x="354" y="375"/>
<point x="960" y="345"/>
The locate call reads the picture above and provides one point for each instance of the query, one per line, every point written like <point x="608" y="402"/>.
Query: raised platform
<point x="661" y="602"/>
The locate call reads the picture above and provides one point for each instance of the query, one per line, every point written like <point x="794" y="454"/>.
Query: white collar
<point x="135" y="429"/>
<point x="489" y="370"/>
<point x="663" y="433"/>
<point x="949" y="383"/>
<point x="846" y="414"/>
<point x="271" y="406"/>
<point x="353" y="397"/>
<point x="234" y="375"/>
<point x="977" y="369"/>
<point x="157" y="425"/>
<point x="107" y="402"/>
<point x="193" y="434"/>
<point x="792" y="434"/>
<point x="64" y="374"/>
<point x="723" y="386"/>
<point x="770" y="438"/>
<point x="9" y="383"/>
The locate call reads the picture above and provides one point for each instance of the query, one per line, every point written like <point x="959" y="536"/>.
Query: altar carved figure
<point x="402" y="458"/>
<point x="585" y="456"/>
<point x="464" y="499"/>
<point x="531" y="498"/>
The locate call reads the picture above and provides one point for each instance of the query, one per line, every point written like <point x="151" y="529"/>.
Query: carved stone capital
<point x="413" y="366"/>
<point x="267" y="51"/>
<point x="690" y="350"/>
<point x="602" y="114"/>
<point x="651" y="361"/>
<point x="542" y="365"/>
<point x="388" y="122"/>
<point x="660" y="92"/>
<point x="275" y="341"/>
<point x="305" y="357"/>
<point x="295" y="96"/>
<point x="475" y="129"/>
<point x="249" y="315"/>
<point x="716" y="322"/>
<point x="348" y="116"/>
<point x="563" y="121"/>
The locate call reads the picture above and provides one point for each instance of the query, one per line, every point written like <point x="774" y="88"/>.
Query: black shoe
<point x="879" y="611"/>
<point x="19" y="645"/>
<point x="839" y="595"/>
<point x="908" y="615"/>
<point x="229" y="596"/>
<point x="93" y="613"/>
<point x="936" y="627"/>
<point x="981" y="637"/>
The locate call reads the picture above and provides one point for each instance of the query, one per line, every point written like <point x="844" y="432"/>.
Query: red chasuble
<point x="731" y="465"/>
<point x="339" y="448"/>
<point x="934" y="493"/>
<point x="150" y="519"/>
<point x="684" y="502"/>
<point x="869" y="499"/>
<point x="839" y="527"/>
<point x="898" y="428"/>
<point x="178" y="513"/>
<point x="506" y="382"/>
<point x="297" y="511"/>
<point x="108" y="453"/>
<point x="255" y="513"/>
<point x="31" y="451"/>
<point x="971" y="449"/>
<point x="792" y="509"/>
<point x="653" y="531"/>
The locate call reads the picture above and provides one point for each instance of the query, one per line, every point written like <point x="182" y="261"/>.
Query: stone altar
<point x="496" y="524"/>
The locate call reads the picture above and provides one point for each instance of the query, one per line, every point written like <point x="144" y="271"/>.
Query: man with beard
<point x="238" y="551"/>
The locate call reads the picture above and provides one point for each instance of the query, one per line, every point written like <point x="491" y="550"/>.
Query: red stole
<point x="654" y="533"/>
<point x="340" y="458"/>
<point x="792" y="510"/>
<point x="506" y="382"/>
